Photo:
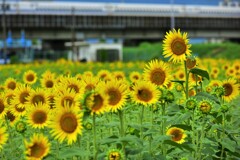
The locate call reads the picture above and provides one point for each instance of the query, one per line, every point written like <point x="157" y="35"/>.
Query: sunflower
<point x="231" y="89"/>
<point x="38" y="116"/>
<point x="114" y="154"/>
<point x="157" y="72"/>
<point x="3" y="136"/>
<point x="145" y="93"/>
<point x="37" y="96"/>
<point x="135" y="76"/>
<point x="119" y="75"/>
<point x="37" y="148"/>
<point x="72" y="83"/>
<point x="191" y="62"/>
<point x="96" y="103"/>
<point x="17" y="111"/>
<point x="11" y="117"/>
<point x="11" y="84"/>
<point x="48" y="82"/>
<point x="9" y="95"/>
<point x="78" y="76"/>
<point x="116" y="91"/>
<point x="3" y="106"/>
<point x="214" y="72"/>
<point x="205" y="106"/>
<point x="66" y="124"/>
<point x="178" y="135"/>
<point x="21" y="95"/>
<point x="30" y="77"/>
<point x="180" y="75"/>
<point x="175" y="46"/>
<point x="51" y="97"/>
<point x="103" y="74"/>
<point x="87" y="74"/>
<point x="67" y="97"/>
<point x="89" y="83"/>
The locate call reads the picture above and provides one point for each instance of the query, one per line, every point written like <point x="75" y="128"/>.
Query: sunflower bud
<point x="20" y="127"/>
<point x="205" y="106"/>
<point x="224" y="108"/>
<point x="88" y="126"/>
<point x="169" y="97"/>
<point x="179" y="87"/>
<point x="191" y="103"/>
<point x="219" y="91"/>
<point x="191" y="63"/>
<point x="115" y="154"/>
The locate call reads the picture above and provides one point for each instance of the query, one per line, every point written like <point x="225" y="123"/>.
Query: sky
<point x="193" y="2"/>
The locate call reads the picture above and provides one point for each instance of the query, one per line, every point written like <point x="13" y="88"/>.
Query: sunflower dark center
<point x="178" y="46"/>
<point x="97" y="102"/>
<point x="10" y="116"/>
<point x="115" y="156"/>
<point x="67" y="100"/>
<point x="2" y="106"/>
<point x="49" y="84"/>
<point x="39" y="117"/>
<point x="144" y="95"/>
<point x="176" y="135"/>
<point x="136" y="77"/>
<point x="181" y="76"/>
<point x="114" y="96"/>
<point x="158" y="76"/>
<point x="37" y="99"/>
<point x="228" y="89"/>
<point x="19" y="109"/>
<point x="37" y="150"/>
<point x="89" y="87"/>
<point x="74" y="87"/>
<point x="23" y="97"/>
<point x="68" y="123"/>
<point x="30" y="77"/>
<point x="11" y="85"/>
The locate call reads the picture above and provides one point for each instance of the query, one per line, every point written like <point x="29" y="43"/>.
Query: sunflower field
<point x="181" y="107"/>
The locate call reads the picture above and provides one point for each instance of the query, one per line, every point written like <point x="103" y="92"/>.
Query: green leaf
<point x="130" y="138"/>
<point x="109" y="140"/>
<point x="70" y="152"/>
<point x="227" y="143"/>
<point x="180" y="82"/>
<point x="204" y="95"/>
<point x="200" y="72"/>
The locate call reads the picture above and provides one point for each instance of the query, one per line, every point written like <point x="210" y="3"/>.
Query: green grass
<point x="147" y="51"/>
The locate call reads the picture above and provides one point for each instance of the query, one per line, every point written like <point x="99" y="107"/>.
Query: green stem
<point x="152" y="116"/>
<point x="163" y="128"/>
<point x="193" y="132"/>
<point x="187" y="77"/>
<point x="196" y="83"/>
<point x="223" y="135"/>
<point x="201" y="139"/>
<point x="94" y="137"/>
<point x="122" y="129"/>
<point x="141" y="122"/>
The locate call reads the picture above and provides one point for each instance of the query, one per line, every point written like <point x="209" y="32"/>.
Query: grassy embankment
<point x="147" y="51"/>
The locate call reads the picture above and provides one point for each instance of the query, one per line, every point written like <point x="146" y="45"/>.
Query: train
<point x="119" y="9"/>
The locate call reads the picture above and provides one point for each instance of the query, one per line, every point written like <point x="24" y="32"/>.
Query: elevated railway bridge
<point x="58" y="20"/>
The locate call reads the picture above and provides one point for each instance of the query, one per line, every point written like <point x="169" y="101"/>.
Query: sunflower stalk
<point x="163" y="128"/>
<point x="187" y="78"/>
<point x="95" y="137"/>
<point x="122" y="129"/>
<point x="200" y="141"/>
<point x="223" y="135"/>
<point x="194" y="136"/>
